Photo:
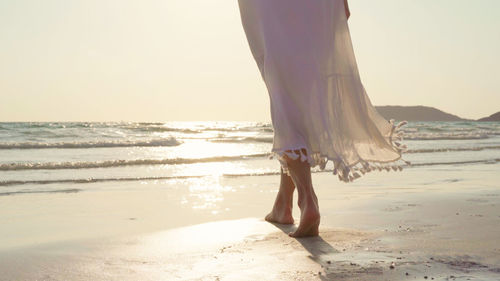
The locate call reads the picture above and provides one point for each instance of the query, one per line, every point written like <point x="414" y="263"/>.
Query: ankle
<point x="308" y="202"/>
<point x="282" y="208"/>
<point x="284" y="198"/>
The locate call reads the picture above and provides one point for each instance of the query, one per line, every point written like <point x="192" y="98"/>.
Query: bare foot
<point x="309" y="222"/>
<point x="280" y="214"/>
<point x="283" y="204"/>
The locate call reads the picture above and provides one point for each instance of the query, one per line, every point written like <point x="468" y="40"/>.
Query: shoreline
<point x="439" y="223"/>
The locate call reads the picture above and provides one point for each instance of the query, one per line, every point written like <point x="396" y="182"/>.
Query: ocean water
<point x="71" y="156"/>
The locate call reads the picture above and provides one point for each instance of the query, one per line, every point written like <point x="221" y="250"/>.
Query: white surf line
<point x="95" y="180"/>
<point x="121" y="163"/>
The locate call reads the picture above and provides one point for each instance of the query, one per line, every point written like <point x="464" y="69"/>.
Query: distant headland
<point x="492" y="117"/>
<point x="424" y="113"/>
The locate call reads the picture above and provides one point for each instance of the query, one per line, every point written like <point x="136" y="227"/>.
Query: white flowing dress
<point x="319" y="108"/>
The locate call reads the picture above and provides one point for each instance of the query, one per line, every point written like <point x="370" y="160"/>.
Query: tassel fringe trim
<point x="348" y="173"/>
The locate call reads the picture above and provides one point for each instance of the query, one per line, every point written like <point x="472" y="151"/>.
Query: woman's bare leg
<point x="300" y="173"/>
<point x="282" y="209"/>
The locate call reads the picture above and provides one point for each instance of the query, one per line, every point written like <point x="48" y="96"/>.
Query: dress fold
<point x="320" y="111"/>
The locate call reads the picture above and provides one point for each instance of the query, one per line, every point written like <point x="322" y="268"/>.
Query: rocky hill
<point x="492" y="117"/>
<point x="416" y="113"/>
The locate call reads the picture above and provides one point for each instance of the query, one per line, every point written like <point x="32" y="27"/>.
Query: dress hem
<point x="346" y="172"/>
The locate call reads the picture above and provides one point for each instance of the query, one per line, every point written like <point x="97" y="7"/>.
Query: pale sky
<point x="174" y="60"/>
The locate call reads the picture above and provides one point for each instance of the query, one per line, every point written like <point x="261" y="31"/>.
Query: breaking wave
<point x="91" y="144"/>
<point x="449" y="149"/>
<point x="120" y="163"/>
<point x="96" y="180"/>
<point x="447" y="136"/>
<point x="243" y="139"/>
<point x="73" y="190"/>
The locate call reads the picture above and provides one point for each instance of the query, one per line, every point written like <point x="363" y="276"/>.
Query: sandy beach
<point x="145" y="141"/>
<point x="434" y="223"/>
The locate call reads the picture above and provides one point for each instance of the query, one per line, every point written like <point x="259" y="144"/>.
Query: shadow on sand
<point x="318" y="248"/>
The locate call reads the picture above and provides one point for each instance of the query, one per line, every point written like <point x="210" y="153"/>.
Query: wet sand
<point x="422" y="224"/>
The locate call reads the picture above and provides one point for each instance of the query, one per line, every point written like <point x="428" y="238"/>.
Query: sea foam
<point x="91" y="144"/>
